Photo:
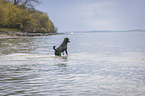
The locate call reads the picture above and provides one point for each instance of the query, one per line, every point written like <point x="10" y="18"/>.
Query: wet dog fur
<point x="62" y="47"/>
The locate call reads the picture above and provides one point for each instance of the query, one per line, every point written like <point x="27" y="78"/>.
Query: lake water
<point x="98" y="64"/>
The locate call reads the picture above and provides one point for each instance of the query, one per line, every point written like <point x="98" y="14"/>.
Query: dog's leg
<point x="59" y="53"/>
<point x="66" y="52"/>
<point x="63" y="53"/>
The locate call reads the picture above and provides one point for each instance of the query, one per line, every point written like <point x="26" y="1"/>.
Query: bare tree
<point x="25" y="3"/>
<point x="16" y="2"/>
<point x="30" y="3"/>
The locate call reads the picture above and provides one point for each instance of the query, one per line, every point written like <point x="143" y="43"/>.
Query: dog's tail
<point x="54" y="48"/>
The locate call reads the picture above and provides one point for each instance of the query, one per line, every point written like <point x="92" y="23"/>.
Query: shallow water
<point x="103" y="64"/>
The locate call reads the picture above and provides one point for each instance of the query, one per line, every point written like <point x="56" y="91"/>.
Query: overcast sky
<point x="85" y="15"/>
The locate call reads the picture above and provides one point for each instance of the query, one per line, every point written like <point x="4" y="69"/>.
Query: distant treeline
<point x="20" y="15"/>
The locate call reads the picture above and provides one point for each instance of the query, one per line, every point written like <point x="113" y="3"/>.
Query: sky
<point x="88" y="15"/>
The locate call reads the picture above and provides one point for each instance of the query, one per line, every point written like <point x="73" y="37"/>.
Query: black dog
<point x="62" y="47"/>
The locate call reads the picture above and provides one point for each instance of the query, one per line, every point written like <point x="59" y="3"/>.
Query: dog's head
<point x="66" y="40"/>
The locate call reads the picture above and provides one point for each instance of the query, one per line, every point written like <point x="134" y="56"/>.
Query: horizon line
<point x="105" y="30"/>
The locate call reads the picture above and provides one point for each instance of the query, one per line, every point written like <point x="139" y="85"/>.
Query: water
<point x="98" y="64"/>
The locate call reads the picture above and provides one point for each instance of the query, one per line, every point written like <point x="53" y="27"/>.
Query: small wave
<point x="24" y="56"/>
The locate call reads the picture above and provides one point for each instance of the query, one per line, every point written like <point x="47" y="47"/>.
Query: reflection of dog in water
<point x="62" y="47"/>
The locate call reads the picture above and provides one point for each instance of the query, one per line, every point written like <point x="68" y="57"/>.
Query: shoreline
<point x="12" y="34"/>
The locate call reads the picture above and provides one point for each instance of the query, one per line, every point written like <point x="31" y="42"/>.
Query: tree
<point x="4" y="9"/>
<point x="16" y="2"/>
<point x="3" y="14"/>
<point x="24" y="19"/>
<point x="25" y="3"/>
